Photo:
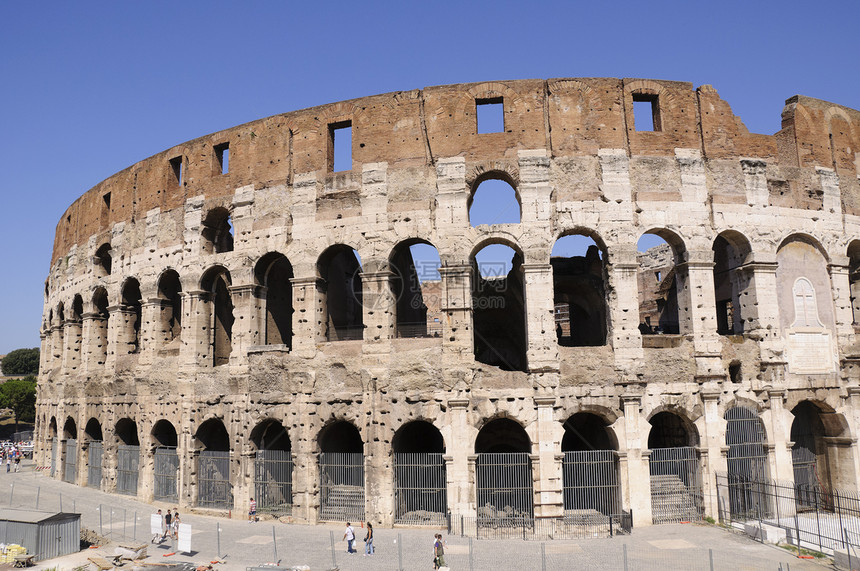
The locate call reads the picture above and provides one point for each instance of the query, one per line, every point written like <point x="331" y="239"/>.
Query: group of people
<point x="169" y="525"/>
<point x="11" y="457"/>
<point x="349" y="537"/>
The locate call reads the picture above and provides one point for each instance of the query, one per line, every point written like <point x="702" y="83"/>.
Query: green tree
<point x="20" y="396"/>
<point x="21" y="362"/>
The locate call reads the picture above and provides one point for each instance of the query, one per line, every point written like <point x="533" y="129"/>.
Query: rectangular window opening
<point x="490" y="115"/>
<point x="222" y="154"/>
<point x="340" y="146"/>
<point x="177" y="167"/>
<point x="106" y="199"/>
<point x="646" y="112"/>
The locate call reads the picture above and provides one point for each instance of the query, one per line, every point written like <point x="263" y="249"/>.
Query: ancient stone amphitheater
<point x="239" y="316"/>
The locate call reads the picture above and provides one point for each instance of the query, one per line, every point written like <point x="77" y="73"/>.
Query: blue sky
<point x="89" y="88"/>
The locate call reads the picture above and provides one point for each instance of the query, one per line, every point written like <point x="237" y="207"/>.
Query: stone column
<point x="378" y="309"/>
<point x="841" y="292"/>
<point x="623" y="308"/>
<point x="459" y="463"/>
<point x="56" y="346"/>
<point x="548" y="492"/>
<point x="83" y="462"/>
<point x="457" y="309"/>
<point x="712" y="441"/>
<point x="542" y="343"/>
<point x="378" y="481"/>
<point x="196" y="335"/>
<point x="94" y="346"/>
<point x="535" y="189"/>
<point x="72" y="349"/>
<point x="152" y="335"/>
<point x="755" y="181"/>
<point x="638" y="474"/>
<point x="246" y="328"/>
<point x="779" y="453"/>
<point x="306" y="328"/>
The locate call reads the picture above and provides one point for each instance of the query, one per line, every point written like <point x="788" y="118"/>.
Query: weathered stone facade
<point x="159" y="315"/>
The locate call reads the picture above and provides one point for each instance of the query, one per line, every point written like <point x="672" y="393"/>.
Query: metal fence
<point x="273" y="482"/>
<point x="71" y="466"/>
<point x="213" y="480"/>
<point x="166" y="474"/>
<point x="420" y="489"/>
<point x="676" y="485"/>
<point x="336" y="333"/>
<point x="127" y="469"/>
<point x="591" y="489"/>
<point x="95" y="453"/>
<point x="812" y="518"/>
<point x="419" y="329"/>
<point x="504" y="486"/>
<point x="342" y="486"/>
<point x="540" y="529"/>
<point x="745" y="437"/>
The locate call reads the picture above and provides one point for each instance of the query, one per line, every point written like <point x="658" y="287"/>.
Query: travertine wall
<point x="570" y="150"/>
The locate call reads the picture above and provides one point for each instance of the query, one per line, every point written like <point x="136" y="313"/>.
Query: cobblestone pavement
<point x="240" y="545"/>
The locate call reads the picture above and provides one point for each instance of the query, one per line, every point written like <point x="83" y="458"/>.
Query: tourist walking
<point x="438" y="552"/>
<point x="349" y="536"/>
<point x="368" y="540"/>
<point x="176" y="522"/>
<point x="168" y="519"/>
<point x="252" y="511"/>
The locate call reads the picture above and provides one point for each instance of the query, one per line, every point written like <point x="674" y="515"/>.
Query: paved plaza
<point x="240" y="545"/>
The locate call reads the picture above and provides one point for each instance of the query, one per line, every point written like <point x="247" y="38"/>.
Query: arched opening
<point x="273" y="468"/>
<point x="95" y="453"/>
<point x="659" y="284"/>
<point x="341" y="472"/>
<point x="217" y="282"/>
<point x="591" y="491"/>
<point x="58" y="327"/>
<point x="494" y="201"/>
<point x="854" y="278"/>
<point x="498" y="308"/>
<point x="55" y="445"/>
<point x="273" y="273"/>
<point x="747" y="462"/>
<point x="70" y="459"/>
<point x="579" y="291"/>
<point x="339" y="269"/>
<point x="170" y="310"/>
<point x="101" y="320"/>
<point x="820" y="455"/>
<point x="73" y="331"/>
<point x="214" y="489"/>
<point x="166" y="461"/>
<point x="503" y="474"/>
<point x="731" y="250"/>
<point x="131" y="314"/>
<point x="676" y="481"/>
<point x="127" y="457"/>
<point x="217" y="232"/>
<point x="417" y="289"/>
<point x="102" y="260"/>
<point x="420" y="481"/>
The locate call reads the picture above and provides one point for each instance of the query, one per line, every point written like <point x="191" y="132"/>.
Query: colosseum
<point x="254" y="313"/>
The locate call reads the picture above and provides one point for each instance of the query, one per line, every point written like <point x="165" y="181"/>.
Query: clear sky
<point x="89" y="88"/>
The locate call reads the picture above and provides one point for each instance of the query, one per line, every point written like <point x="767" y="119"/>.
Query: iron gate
<point x="55" y="446"/>
<point x="273" y="481"/>
<point x="420" y="489"/>
<point x="71" y="465"/>
<point x="504" y="486"/>
<point x="213" y="480"/>
<point x="94" y="464"/>
<point x="127" y="469"/>
<point x="747" y="462"/>
<point x="342" y="486"/>
<point x="591" y="489"/>
<point x="676" y="485"/>
<point x="166" y="474"/>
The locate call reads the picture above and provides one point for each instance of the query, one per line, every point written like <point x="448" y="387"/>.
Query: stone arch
<point x="99" y="341"/>
<point x="273" y="272"/>
<point x="169" y="292"/>
<point x="218" y="305"/>
<point x="214" y="455"/>
<point x="502" y="434"/>
<point x="212" y="435"/>
<point x="590" y="463"/>
<point x="163" y="434"/>
<point x="484" y="200"/>
<point x="499" y="312"/>
<point x="588" y="430"/>
<point x="103" y="259"/>
<point x="125" y="432"/>
<point x="732" y="288"/>
<point x="821" y="456"/>
<point x="270" y="434"/>
<point x="340" y="436"/>
<point x="671" y="429"/>
<point x="418" y="436"/>
<point x="664" y="299"/>
<point x="417" y="290"/>
<point x="580" y="289"/>
<point x="802" y="257"/>
<point x="217" y="231"/>
<point x="746" y="439"/>
<point x="93" y="430"/>
<point x="339" y="271"/>
<point x="70" y="429"/>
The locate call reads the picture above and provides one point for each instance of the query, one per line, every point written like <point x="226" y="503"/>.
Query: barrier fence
<point x="812" y="518"/>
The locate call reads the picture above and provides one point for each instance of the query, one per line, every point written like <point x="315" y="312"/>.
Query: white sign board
<point x="155" y="524"/>
<point x="184" y="538"/>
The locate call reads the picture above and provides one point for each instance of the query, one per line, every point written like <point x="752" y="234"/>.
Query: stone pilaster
<point x="711" y="444"/>
<point x="542" y="344"/>
<point x="697" y="308"/>
<point x="457" y="308"/>
<point x="755" y="181"/>
<point x="694" y="187"/>
<point x="243" y="216"/>
<point x="832" y="200"/>
<point x="246" y="326"/>
<point x="306" y="327"/>
<point x="623" y="308"/>
<point x="638" y="474"/>
<point x="841" y="293"/>
<point x="534" y="187"/>
<point x="378" y="309"/>
<point x="548" y="481"/>
<point x="72" y="346"/>
<point x="460" y="463"/>
<point x="452" y="196"/>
